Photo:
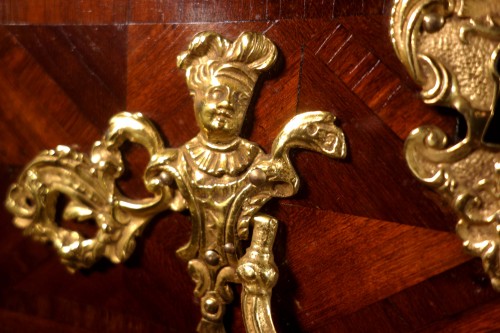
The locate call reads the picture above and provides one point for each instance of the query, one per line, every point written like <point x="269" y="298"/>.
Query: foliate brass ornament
<point x="222" y="179"/>
<point x="451" y="48"/>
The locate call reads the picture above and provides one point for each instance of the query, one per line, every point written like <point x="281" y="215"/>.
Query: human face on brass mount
<point x="220" y="108"/>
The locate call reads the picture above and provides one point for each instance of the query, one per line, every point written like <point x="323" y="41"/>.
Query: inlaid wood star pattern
<point x="363" y="247"/>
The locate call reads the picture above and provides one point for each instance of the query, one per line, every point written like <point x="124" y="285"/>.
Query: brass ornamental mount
<point x="452" y="49"/>
<point x="222" y="179"/>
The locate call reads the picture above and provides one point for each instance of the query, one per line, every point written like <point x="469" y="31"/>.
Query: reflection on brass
<point x="222" y="179"/>
<point x="451" y="48"/>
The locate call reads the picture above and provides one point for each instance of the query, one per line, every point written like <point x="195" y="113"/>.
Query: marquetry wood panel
<point x="363" y="247"/>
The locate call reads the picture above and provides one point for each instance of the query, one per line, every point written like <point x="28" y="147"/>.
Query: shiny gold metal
<point x="221" y="178"/>
<point x="451" y="48"/>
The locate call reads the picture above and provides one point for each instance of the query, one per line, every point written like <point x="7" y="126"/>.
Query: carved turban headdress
<point x="211" y="55"/>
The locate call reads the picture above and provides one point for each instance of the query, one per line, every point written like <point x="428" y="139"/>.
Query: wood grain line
<point x="339" y="49"/>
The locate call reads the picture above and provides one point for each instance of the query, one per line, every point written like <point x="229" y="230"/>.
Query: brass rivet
<point x="212" y="257"/>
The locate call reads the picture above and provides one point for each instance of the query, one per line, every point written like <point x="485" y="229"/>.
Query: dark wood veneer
<point x="363" y="247"/>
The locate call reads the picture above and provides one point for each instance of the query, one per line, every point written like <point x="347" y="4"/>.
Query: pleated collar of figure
<point x="221" y="78"/>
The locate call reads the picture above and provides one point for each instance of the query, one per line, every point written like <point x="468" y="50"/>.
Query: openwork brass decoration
<point x="451" y="48"/>
<point x="222" y="179"/>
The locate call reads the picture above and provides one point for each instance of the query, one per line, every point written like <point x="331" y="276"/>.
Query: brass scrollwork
<point x="451" y="48"/>
<point x="222" y="179"/>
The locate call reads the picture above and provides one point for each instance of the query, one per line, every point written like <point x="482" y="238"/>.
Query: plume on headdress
<point x="251" y="52"/>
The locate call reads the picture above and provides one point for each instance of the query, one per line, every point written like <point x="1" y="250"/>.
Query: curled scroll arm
<point x="89" y="182"/>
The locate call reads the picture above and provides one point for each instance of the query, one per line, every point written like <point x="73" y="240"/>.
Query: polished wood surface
<point x="363" y="247"/>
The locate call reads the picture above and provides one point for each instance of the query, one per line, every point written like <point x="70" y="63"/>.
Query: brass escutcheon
<point x="451" y="48"/>
<point x="222" y="179"/>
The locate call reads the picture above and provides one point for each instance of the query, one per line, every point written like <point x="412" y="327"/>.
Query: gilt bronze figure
<point x="222" y="179"/>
